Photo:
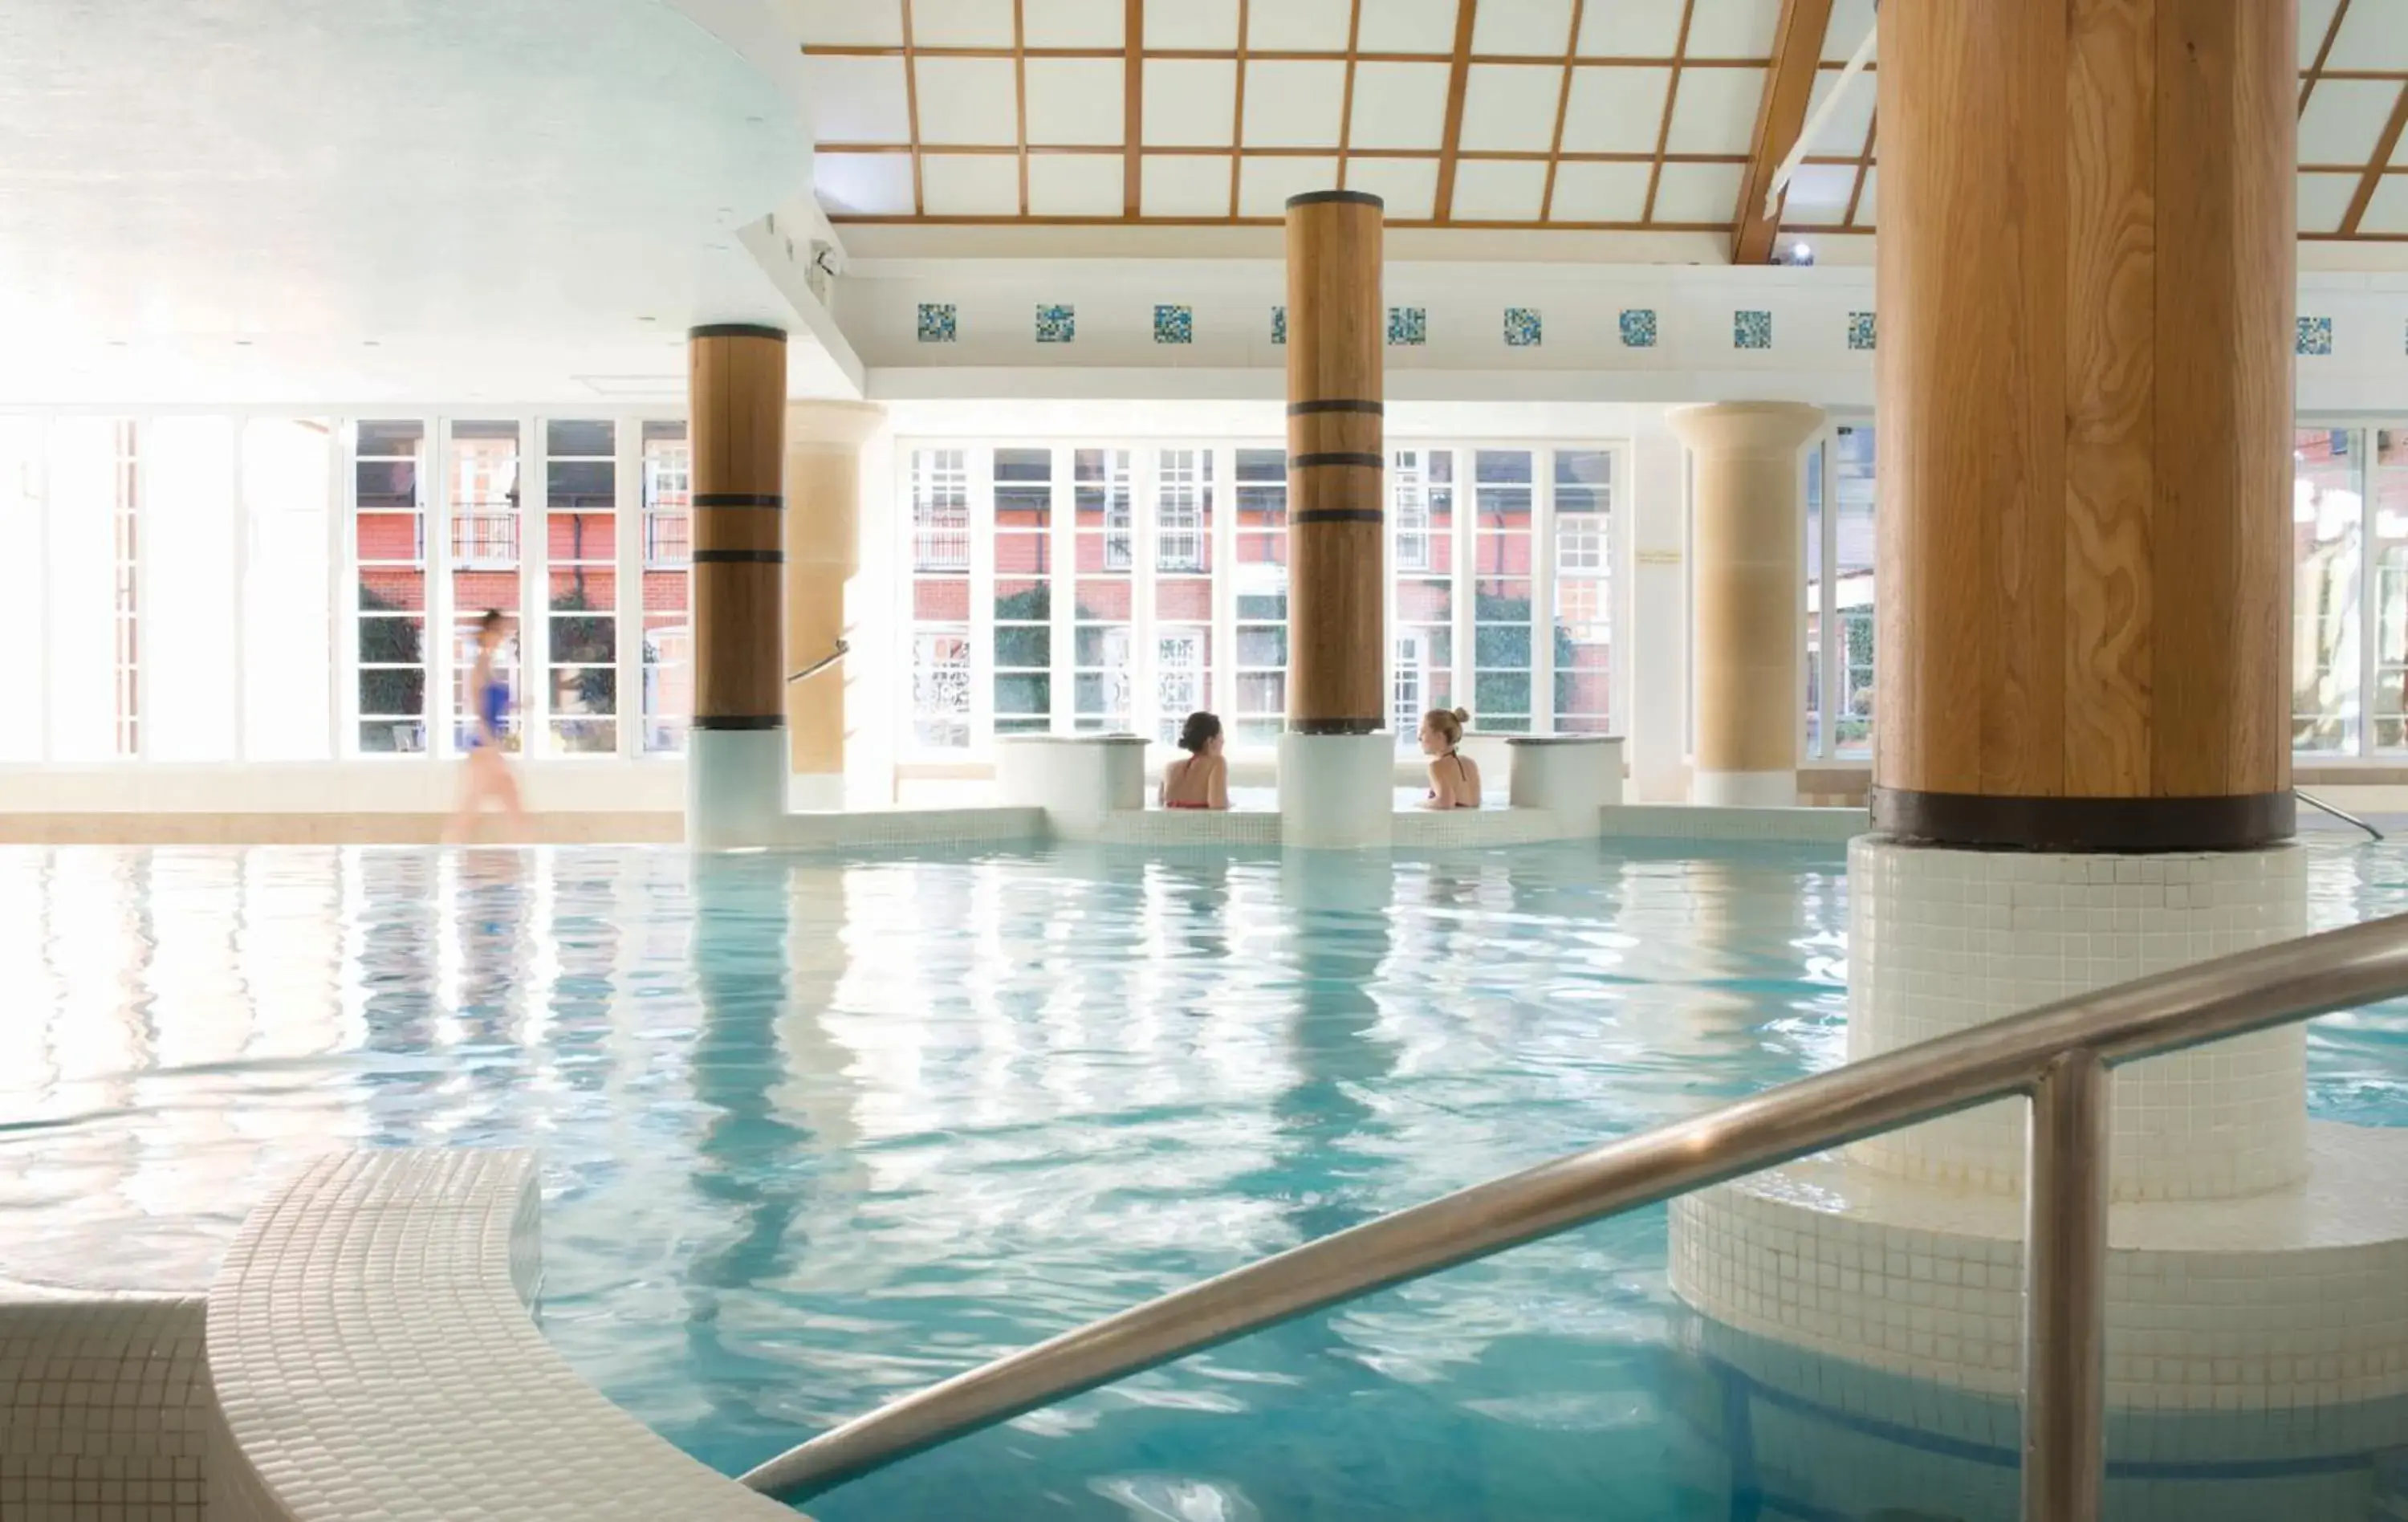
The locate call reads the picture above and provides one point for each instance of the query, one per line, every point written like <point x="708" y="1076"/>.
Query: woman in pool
<point x="1200" y="779"/>
<point x="1454" y="780"/>
<point x="488" y="776"/>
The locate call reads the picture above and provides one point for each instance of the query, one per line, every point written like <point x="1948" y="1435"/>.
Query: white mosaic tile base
<point x="1941" y="940"/>
<point x="1823" y="1438"/>
<point x="2295" y="1296"/>
<point x="1695" y="822"/>
<point x="873" y="827"/>
<point x="103" y="1408"/>
<point x="374" y="1357"/>
<point x="1417" y="829"/>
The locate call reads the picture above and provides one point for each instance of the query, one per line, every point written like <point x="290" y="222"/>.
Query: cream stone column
<point x="1747" y="531"/>
<point x="823" y="551"/>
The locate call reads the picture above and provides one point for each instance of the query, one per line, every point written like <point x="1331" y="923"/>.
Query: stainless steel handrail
<point x="2056" y="1054"/>
<point x="2342" y="814"/>
<point x="817" y="667"/>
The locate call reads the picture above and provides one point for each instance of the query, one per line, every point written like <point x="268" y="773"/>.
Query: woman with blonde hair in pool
<point x="1455" y="780"/>
<point x="1200" y="779"/>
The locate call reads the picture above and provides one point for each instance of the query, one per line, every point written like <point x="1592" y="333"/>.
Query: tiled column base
<point x="734" y="787"/>
<point x="2297" y="1297"/>
<point x="369" y="1339"/>
<point x="103" y="1405"/>
<point x="1799" y="1435"/>
<point x="1337" y="790"/>
<point x="1941" y="940"/>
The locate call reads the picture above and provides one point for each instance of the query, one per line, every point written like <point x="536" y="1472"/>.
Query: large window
<point x="484" y="506"/>
<point x="1022" y="647"/>
<point x="1840" y="608"/>
<point x="1259" y="707"/>
<point x="389" y="548"/>
<point x="1173" y="593"/>
<point x="668" y="586"/>
<point x="287" y="635"/>
<point x="580" y="488"/>
<point x="1182" y="588"/>
<point x="940" y="599"/>
<point x="1105" y="559"/>
<point x="1503" y="670"/>
<point x="24" y="607"/>
<point x="1421" y="491"/>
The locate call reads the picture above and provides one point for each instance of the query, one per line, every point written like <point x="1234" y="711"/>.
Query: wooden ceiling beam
<point x="2315" y="70"/>
<point x="1467" y="13"/>
<point x="1779" y="115"/>
<point x="1132" y="106"/>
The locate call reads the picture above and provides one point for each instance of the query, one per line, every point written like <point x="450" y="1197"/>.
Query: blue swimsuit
<point x="493" y="702"/>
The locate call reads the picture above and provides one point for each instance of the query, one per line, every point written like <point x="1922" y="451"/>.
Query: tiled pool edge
<point x="104" y="1403"/>
<point x="369" y="1336"/>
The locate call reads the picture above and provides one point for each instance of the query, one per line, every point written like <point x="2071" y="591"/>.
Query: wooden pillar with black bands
<point x="1336" y="464"/>
<point x="736" y="379"/>
<point x="2086" y="274"/>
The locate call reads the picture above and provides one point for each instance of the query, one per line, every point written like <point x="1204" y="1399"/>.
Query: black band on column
<point x="739" y="557"/>
<point x="1333" y="726"/>
<point x="737" y="499"/>
<point x="738" y="720"/>
<point x="2238" y="821"/>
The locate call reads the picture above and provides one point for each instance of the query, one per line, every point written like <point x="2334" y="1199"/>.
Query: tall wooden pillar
<point x="737" y="770"/>
<point x="2086" y="279"/>
<point x="1336" y="464"/>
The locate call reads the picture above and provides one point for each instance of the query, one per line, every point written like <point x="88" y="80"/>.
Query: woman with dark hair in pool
<point x="1200" y="779"/>
<point x="488" y="776"/>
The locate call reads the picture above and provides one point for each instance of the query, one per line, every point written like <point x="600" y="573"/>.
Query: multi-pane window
<point x="940" y="599"/>
<point x="23" y="603"/>
<point x="582" y="568"/>
<point x="1259" y="706"/>
<point x="187" y="517"/>
<point x="1421" y="489"/>
<point x="484" y="541"/>
<point x="2389" y="513"/>
<point x="1104" y="614"/>
<point x="669" y="587"/>
<point x="389" y="548"/>
<point x="1852" y="581"/>
<point x="1023" y="650"/>
<point x="287" y="643"/>
<point x="2328" y="507"/>
<point x="1182" y="587"/>
<point x="1502" y="668"/>
<point x="1816" y="457"/>
<point x="1584" y="644"/>
<point x="126" y="518"/>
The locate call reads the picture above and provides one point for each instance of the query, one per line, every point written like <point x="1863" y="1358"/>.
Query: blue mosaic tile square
<point x="1057" y="324"/>
<point x="1407" y="325"/>
<point x="1279" y="324"/>
<point x="2315" y="335"/>
<point x="1638" y="327"/>
<point x="1522" y="327"/>
<point x="937" y="321"/>
<point x="1751" y="330"/>
<point x="1860" y="330"/>
<point x="1174" y="325"/>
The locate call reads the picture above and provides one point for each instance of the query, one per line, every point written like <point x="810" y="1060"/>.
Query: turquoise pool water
<point x="821" y="1132"/>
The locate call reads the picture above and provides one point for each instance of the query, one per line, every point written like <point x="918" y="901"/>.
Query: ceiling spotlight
<point x="643" y="319"/>
<point x="372" y="343"/>
<point x="242" y="343"/>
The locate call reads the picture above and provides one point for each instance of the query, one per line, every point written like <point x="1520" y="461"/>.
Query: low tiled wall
<point x="104" y="1402"/>
<point x="373" y="1355"/>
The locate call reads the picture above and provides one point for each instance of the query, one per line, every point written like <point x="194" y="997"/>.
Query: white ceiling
<point x="244" y="197"/>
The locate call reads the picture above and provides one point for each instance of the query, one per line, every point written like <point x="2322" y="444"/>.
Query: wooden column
<point x="2086" y="279"/>
<point x="736" y="377"/>
<point x="1746" y="529"/>
<point x="824" y="536"/>
<point x="1336" y="464"/>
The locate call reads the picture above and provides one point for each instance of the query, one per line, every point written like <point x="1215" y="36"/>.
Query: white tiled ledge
<point x="2295" y="1297"/>
<point x="373" y="1355"/>
<point x="104" y="1400"/>
<point x="1415" y="828"/>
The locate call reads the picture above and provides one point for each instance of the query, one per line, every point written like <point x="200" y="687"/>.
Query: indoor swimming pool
<point x="818" y="1131"/>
